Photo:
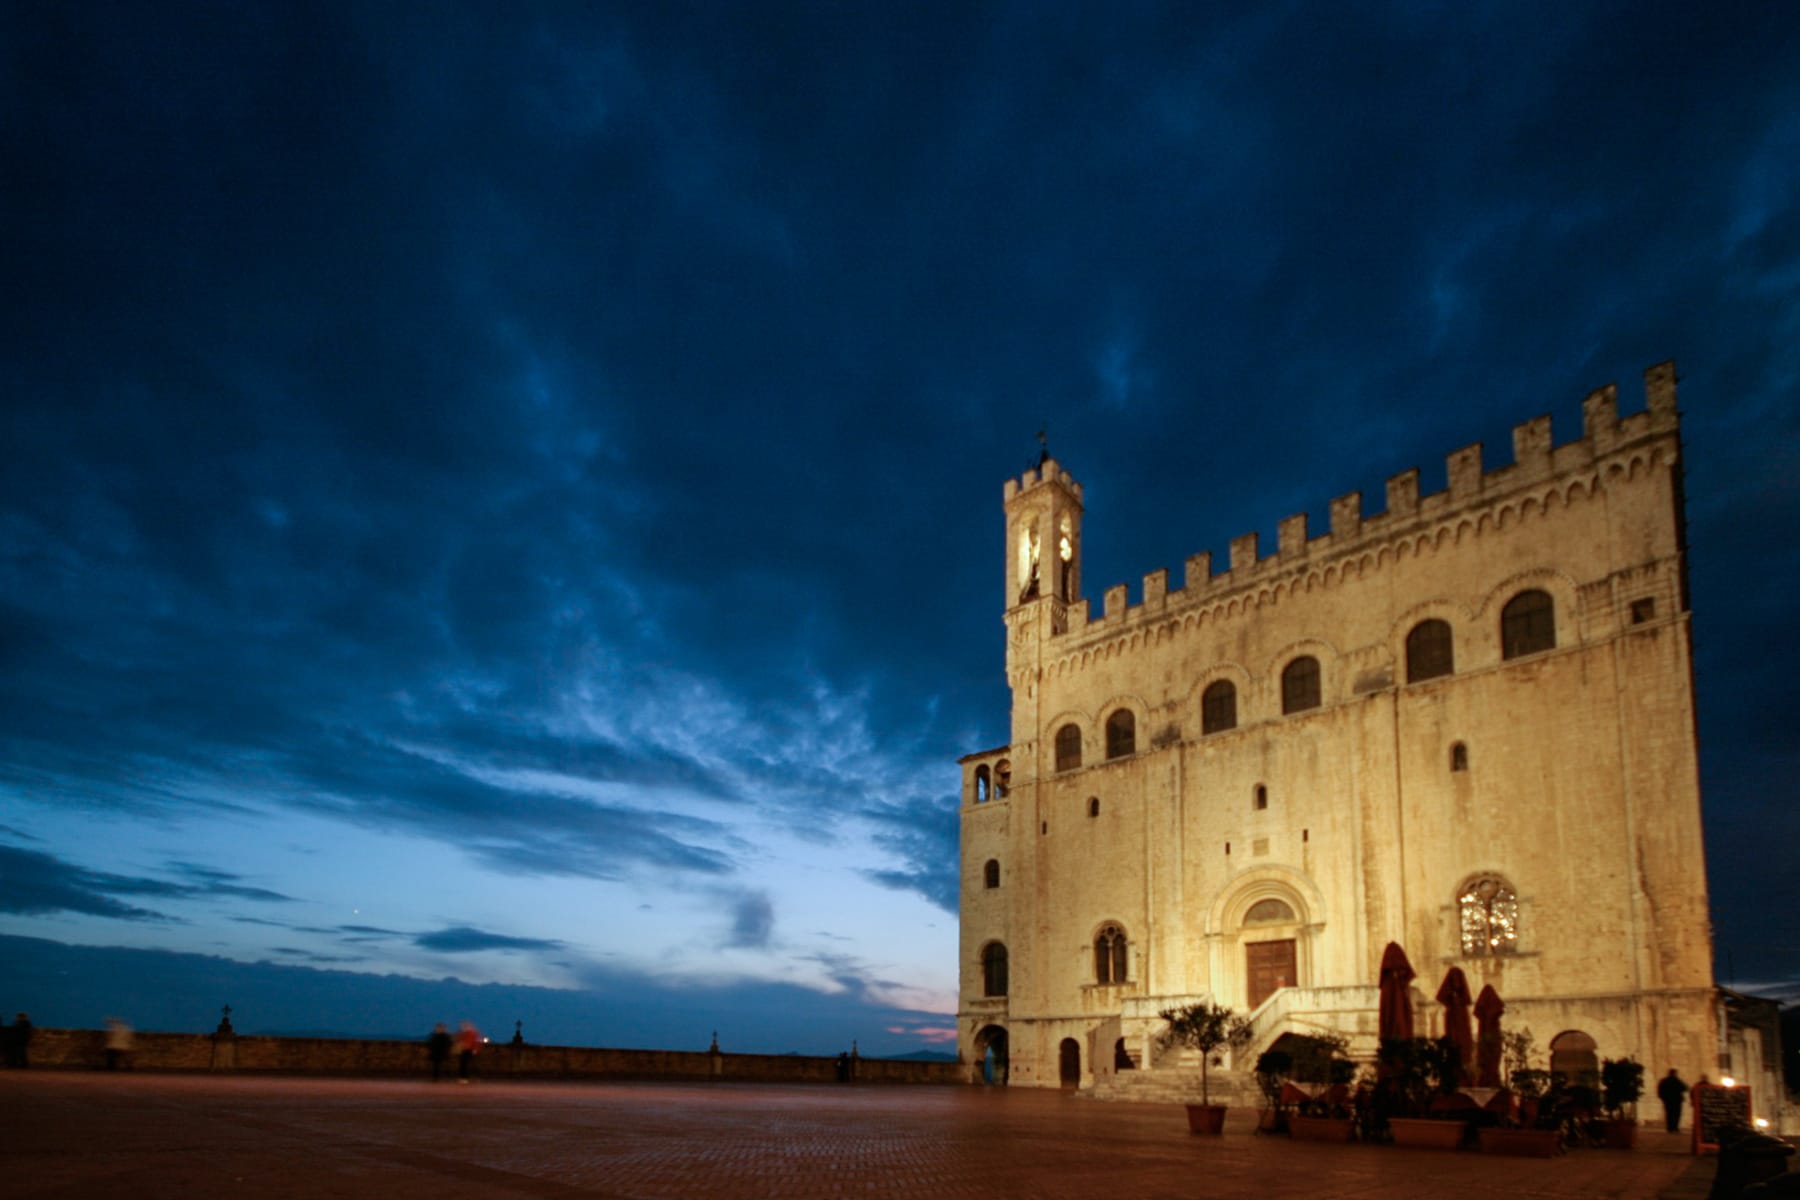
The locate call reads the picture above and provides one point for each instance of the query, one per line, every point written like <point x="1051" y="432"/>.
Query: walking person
<point x="468" y="1042"/>
<point x="1672" y="1091"/>
<point x="437" y="1048"/>
<point x="18" y="1043"/>
<point x="118" y="1044"/>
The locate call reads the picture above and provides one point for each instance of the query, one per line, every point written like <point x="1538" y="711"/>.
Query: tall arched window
<point x="993" y="969"/>
<point x="1109" y="955"/>
<point x="1218" y="707"/>
<point x="1068" y="747"/>
<point x="1490" y="916"/>
<point x="1527" y="624"/>
<point x="1428" y="651"/>
<point x="1002" y="778"/>
<point x="982" y="785"/>
<point x="991" y="873"/>
<point x="1121" y="734"/>
<point x="1300" y="685"/>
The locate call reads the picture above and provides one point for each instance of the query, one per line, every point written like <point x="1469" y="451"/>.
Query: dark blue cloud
<point x="461" y="939"/>
<point x="752" y="920"/>
<point x="35" y="882"/>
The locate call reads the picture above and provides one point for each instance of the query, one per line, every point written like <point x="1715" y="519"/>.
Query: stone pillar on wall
<point x="224" y="1043"/>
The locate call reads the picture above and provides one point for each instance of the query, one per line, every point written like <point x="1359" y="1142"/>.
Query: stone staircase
<point x="1177" y="1085"/>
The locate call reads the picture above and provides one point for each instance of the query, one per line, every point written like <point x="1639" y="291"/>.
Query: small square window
<point x="1643" y="610"/>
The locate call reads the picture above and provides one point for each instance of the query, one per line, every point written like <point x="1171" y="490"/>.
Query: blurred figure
<point x="118" y="1044"/>
<point x="438" y="1047"/>
<point x="1672" y="1091"/>
<point x="18" y="1042"/>
<point x="468" y="1042"/>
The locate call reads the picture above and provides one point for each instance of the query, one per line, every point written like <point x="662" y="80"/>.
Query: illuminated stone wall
<point x="1579" y="787"/>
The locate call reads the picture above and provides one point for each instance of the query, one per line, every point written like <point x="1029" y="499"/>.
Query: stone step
<point x="1177" y="1086"/>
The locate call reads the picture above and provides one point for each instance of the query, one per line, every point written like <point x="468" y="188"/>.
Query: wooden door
<point x="1268" y="966"/>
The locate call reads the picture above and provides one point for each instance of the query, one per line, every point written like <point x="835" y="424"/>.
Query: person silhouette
<point x="1671" y="1091"/>
<point x="437" y="1048"/>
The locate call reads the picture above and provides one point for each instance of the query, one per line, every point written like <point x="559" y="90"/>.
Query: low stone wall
<point x="86" y="1049"/>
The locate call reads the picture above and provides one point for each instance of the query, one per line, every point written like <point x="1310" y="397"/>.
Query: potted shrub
<point x="1417" y="1093"/>
<point x="1273" y="1067"/>
<point x="1621" y="1083"/>
<point x="1326" y="1116"/>
<point x="1532" y="1130"/>
<point x="1208" y="1028"/>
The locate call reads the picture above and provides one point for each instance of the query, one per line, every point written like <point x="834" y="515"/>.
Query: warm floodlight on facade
<point x="1728" y="1081"/>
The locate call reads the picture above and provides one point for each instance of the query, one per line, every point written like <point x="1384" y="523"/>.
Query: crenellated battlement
<point x="1048" y="471"/>
<point x="1473" y="496"/>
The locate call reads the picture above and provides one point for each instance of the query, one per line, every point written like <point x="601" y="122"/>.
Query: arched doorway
<point x="1572" y="1056"/>
<point x="1122" y="1057"/>
<point x="991" y="1055"/>
<point x="1070" y="1063"/>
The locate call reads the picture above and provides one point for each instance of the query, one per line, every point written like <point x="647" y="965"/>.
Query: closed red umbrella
<point x="1453" y="994"/>
<point x="1488" y="1007"/>
<point x="1396" y="997"/>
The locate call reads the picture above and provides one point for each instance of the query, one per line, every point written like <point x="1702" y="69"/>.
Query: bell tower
<point x="1043" y="555"/>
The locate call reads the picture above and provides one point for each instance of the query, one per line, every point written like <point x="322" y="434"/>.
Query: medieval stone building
<point x="1465" y="724"/>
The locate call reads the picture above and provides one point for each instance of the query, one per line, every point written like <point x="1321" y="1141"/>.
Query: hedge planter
<point x="1522" y="1143"/>
<point x="1425" y="1134"/>
<point x="1321" y="1129"/>
<point x="1206" y="1118"/>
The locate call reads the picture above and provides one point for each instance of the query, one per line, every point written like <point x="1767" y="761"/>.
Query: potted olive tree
<point x="1208" y="1028"/>
<point x="1621" y="1083"/>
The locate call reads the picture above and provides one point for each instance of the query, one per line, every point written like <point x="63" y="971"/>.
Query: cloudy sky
<point x="511" y="492"/>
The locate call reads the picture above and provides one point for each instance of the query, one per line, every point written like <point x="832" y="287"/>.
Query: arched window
<point x="1429" y="652"/>
<point x="1527" y="624"/>
<point x="1093" y="806"/>
<point x="1259" y="799"/>
<point x="1065" y="559"/>
<point x="1300" y="685"/>
<point x="1459" y="757"/>
<point x="1002" y="778"/>
<point x="981" y="785"/>
<point x="1218" y="707"/>
<point x="1068" y="747"/>
<point x="1269" y="912"/>
<point x="991" y="872"/>
<point x="993" y="969"/>
<point x="1121" y="734"/>
<point x="1109" y="954"/>
<point x="1490" y="916"/>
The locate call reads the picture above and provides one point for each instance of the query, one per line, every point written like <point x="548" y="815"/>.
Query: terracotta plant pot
<point x="1206" y="1118"/>
<point x="1426" y="1134"/>
<point x="1524" y="1143"/>
<point x="1320" y="1129"/>
<point x="1620" y="1134"/>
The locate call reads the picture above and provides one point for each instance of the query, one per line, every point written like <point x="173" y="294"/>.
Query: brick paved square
<point x="74" y="1134"/>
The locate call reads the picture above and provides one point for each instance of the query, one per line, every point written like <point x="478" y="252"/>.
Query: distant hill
<point x="920" y="1056"/>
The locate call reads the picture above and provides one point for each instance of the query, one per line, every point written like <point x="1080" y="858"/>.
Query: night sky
<point x="501" y="504"/>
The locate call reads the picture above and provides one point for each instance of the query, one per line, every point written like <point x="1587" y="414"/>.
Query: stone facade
<point x="1490" y="759"/>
